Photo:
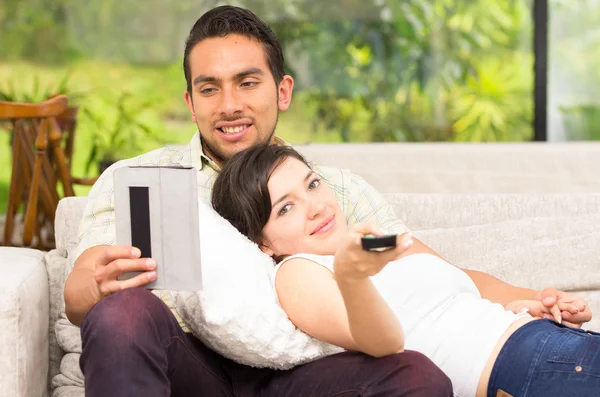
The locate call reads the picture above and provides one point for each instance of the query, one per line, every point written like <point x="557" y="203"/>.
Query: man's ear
<point x="190" y="104"/>
<point x="266" y="249"/>
<point x="286" y="86"/>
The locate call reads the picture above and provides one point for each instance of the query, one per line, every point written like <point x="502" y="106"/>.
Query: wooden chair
<point x="39" y="163"/>
<point x="67" y="121"/>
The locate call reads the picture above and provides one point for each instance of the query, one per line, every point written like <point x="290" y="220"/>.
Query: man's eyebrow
<point x="204" y="79"/>
<point x="279" y="200"/>
<point x="211" y="79"/>
<point x="249" y="72"/>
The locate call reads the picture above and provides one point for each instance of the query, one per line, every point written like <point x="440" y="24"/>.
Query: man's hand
<point x="574" y="311"/>
<point x="95" y="276"/>
<point x="114" y="261"/>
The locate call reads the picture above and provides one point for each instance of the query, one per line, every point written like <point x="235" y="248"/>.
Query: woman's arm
<point x="496" y="290"/>
<point x="365" y="203"/>
<point x="346" y="312"/>
<point x="549" y="303"/>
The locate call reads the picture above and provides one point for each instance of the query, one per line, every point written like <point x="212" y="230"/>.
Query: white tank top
<point x="442" y="314"/>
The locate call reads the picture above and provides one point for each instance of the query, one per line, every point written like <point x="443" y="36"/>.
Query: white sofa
<point x="527" y="213"/>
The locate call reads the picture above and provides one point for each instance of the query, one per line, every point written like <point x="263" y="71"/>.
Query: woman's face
<point x="305" y="216"/>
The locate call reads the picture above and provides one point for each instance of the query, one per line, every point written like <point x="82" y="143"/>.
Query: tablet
<point x="156" y="210"/>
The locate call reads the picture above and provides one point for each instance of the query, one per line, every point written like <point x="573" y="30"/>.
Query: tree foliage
<point x="416" y="70"/>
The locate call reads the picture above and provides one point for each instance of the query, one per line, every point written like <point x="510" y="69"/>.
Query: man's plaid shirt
<point x="359" y="201"/>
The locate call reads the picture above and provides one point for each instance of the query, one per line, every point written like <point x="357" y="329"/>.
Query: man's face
<point x="235" y="100"/>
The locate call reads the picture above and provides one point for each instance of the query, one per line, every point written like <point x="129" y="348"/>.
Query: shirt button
<point x="578" y="368"/>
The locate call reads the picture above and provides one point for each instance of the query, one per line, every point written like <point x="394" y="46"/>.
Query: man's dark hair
<point x="225" y="20"/>
<point x="240" y="192"/>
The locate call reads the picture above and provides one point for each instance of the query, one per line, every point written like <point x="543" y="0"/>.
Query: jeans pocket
<point x="568" y="348"/>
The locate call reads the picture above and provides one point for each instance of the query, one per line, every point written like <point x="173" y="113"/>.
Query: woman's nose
<point x="317" y="208"/>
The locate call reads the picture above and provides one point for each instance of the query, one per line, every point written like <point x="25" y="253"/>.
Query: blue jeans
<point x="133" y="346"/>
<point x="547" y="359"/>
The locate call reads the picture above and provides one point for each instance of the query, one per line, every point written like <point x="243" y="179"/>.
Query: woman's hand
<point x="552" y="304"/>
<point x="574" y="311"/>
<point x="352" y="262"/>
<point x="535" y="308"/>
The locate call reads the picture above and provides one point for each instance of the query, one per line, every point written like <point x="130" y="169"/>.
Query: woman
<point x="383" y="302"/>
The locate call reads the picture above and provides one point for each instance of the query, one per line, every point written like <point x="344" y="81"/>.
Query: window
<point x="574" y="75"/>
<point x="409" y="70"/>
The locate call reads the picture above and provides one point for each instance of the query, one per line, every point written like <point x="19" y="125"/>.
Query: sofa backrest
<point x="565" y="167"/>
<point x="420" y="212"/>
<point x="449" y="211"/>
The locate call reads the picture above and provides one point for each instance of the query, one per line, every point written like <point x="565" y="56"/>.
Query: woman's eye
<point x="314" y="184"/>
<point x="284" y="210"/>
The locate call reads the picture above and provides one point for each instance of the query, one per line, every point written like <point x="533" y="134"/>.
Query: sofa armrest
<point x="24" y="311"/>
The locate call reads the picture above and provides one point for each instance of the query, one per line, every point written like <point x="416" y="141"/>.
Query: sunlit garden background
<point x="375" y="71"/>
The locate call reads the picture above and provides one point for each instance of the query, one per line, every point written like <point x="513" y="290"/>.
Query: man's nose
<point x="230" y="102"/>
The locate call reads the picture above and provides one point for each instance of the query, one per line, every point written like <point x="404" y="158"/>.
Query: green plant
<point x="494" y="104"/>
<point x="582" y="122"/>
<point x="38" y="92"/>
<point x="116" y="131"/>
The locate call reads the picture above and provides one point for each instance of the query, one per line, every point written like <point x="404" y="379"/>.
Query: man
<point x="135" y="343"/>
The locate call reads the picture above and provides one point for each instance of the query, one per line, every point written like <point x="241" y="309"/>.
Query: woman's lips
<point x="325" y="226"/>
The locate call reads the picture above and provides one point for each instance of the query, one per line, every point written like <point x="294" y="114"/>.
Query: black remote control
<point x="378" y="243"/>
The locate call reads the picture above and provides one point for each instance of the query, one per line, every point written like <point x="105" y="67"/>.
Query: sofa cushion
<point x="65" y="340"/>
<point x="58" y="269"/>
<point x="23" y="322"/>
<point x="68" y="217"/>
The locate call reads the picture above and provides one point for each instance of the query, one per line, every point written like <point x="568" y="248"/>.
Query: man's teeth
<point x="233" y="130"/>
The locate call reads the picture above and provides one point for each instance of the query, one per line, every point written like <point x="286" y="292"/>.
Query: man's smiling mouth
<point x="234" y="130"/>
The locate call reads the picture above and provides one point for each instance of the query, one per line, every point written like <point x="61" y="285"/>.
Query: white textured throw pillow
<point x="237" y="312"/>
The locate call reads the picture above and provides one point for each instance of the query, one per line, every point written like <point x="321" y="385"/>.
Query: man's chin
<point x="230" y="149"/>
<point x="224" y="154"/>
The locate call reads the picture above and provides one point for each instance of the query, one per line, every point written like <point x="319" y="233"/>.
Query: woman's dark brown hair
<point x="240" y="193"/>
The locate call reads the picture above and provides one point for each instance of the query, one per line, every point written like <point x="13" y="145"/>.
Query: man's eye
<point x="206" y="91"/>
<point x="284" y="210"/>
<point x="314" y="184"/>
<point x="249" y="83"/>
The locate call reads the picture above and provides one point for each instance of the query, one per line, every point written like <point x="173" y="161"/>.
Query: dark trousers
<point x="133" y="346"/>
